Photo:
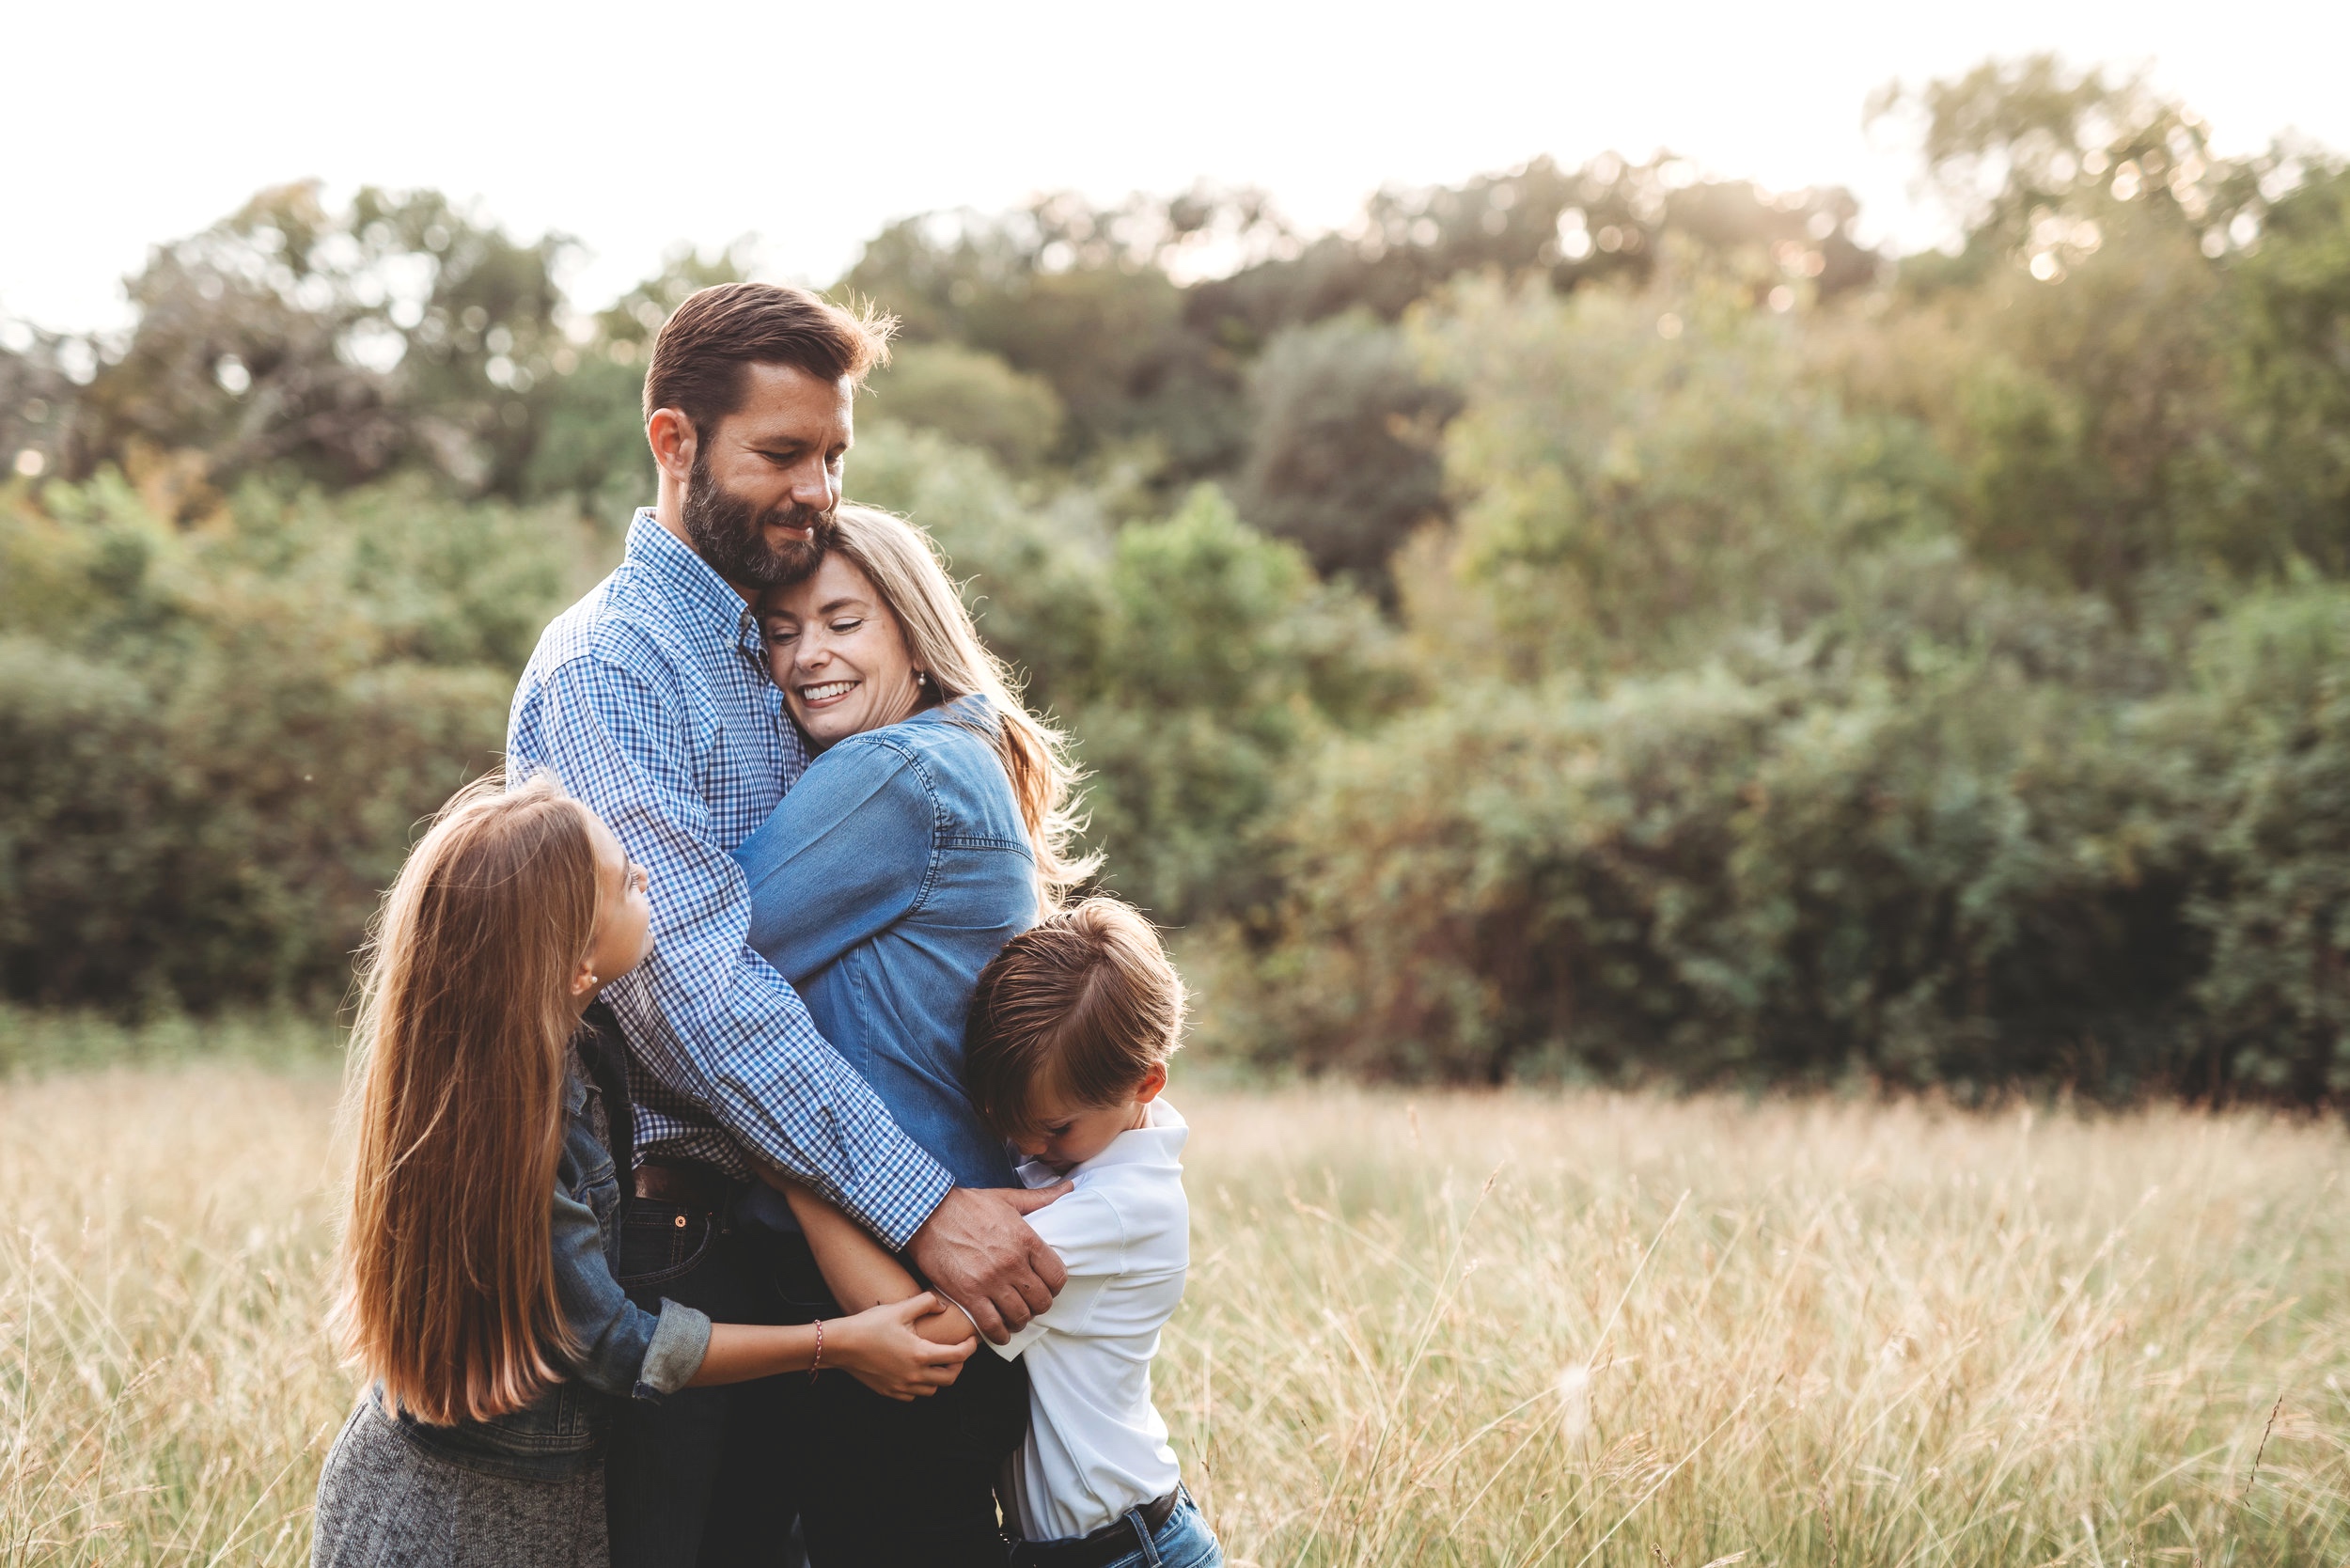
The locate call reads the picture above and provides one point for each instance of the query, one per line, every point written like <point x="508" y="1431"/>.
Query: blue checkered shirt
<point x="650" y="699"/>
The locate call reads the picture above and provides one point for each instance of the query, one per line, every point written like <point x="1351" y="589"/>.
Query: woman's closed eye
<point x="844" y="627"/>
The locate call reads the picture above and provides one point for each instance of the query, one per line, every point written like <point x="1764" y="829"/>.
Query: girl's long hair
<point x="904" y="565"/>
<point x="448" y="1291"/>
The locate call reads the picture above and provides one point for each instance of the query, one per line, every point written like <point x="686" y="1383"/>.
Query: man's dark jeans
<point x="708" y="1476"/>
<point x="711" y="1478"/>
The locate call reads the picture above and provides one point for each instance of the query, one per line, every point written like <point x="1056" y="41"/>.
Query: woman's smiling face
<point x="838" y="653"/>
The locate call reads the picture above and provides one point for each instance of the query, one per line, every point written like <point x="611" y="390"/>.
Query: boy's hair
<point x="447" y="1291"/>
<point x="1082" y="1006"/>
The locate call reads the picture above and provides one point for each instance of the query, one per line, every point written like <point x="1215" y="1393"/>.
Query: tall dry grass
<point x="1607" y="1331"/>
<point x="165" y="1392"/>
<point x="1500" y="1330"/>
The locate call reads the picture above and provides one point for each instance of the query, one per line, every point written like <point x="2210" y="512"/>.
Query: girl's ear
<point x="585" y="980"/>
<point x="1151" y="1083"/>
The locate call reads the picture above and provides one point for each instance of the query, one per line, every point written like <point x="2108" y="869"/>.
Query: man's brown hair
<point x="699" y="357"/>
<point x="1083" y="1005"/>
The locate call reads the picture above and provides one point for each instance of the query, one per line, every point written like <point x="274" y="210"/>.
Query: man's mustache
<point x="805" y="519"/>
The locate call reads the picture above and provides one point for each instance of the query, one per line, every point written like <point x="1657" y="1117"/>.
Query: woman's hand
<point x="880" y="1348"/>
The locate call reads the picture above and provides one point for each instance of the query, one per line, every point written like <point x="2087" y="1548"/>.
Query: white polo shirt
<point x="1096" y="1447"/>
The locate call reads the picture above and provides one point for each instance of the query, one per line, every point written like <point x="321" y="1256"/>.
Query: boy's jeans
<point x="1183" y="1542"/>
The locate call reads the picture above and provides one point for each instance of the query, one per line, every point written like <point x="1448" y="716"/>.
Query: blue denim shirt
<point x="896" y="868"/>
<point x="625" y="1352"/>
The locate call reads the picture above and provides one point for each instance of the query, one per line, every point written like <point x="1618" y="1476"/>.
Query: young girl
<point x="1067" y="1041"/>
<point x="476" y="1289"/>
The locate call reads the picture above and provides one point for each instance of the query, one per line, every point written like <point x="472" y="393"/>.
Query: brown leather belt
<point x="686" y="1186"/>
<point x="1117" y="1539"/>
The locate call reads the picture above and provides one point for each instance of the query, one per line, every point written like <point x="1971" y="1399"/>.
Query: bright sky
<point x="635" y="128"/>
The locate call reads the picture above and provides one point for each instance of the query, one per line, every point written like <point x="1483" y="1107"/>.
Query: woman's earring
<point x="920" y="679"/>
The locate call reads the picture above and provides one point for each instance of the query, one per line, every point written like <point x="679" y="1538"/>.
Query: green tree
<point x="2291" y="386"/>
<point x="340" y="344"/>
<point x="1633" y="469"/>
<point x="2023" y="150"/>
<point x="1222" y="660"/>
<point x="1345" y="455"/>
<point x="1074" y="296"/>
<point x="971" y="397"/>
<point x="214" y="742"/>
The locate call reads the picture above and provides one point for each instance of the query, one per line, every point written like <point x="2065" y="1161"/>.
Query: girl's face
<point x="623" y="913"/>
<point x="838" y="654"/>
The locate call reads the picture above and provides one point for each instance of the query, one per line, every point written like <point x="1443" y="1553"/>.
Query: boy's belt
<point x="1130" y="1532"/>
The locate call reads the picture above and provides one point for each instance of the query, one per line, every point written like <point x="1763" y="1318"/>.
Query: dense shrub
<point x="213" y="743"/>
<point x="1194" y="658"/>
<point x="1962" y="854"/>
<point x="1633" y="471"/>
<point x="2259" y="749"/>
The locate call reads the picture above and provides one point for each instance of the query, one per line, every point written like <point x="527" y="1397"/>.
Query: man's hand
<point x="976" y="1249"/>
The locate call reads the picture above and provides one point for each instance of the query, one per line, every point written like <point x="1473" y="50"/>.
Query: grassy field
<point x="1476" y="1329"/>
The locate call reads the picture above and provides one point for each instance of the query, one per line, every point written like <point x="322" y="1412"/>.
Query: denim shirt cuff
<point x="674" y="1354"/>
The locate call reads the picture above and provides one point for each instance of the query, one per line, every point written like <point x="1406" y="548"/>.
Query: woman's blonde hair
<point x="904" y="565"/>
<point x="447" y="1292"/>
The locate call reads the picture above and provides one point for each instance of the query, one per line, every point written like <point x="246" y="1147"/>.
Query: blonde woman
<point x="931" y="828"/>
<point x="477" y="1291"/>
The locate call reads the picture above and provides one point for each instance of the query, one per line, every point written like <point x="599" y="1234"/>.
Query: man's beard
<point x="732" y="537"/>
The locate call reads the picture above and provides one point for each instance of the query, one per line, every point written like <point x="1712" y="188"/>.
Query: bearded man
<point x="650" y="699"/>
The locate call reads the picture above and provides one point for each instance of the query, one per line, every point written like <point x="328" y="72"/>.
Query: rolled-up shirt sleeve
<point x="708" y="1017"/>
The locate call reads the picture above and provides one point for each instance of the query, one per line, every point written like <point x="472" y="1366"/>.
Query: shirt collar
<point x="1159" y="1141"/>
<point x="673" y="567"/>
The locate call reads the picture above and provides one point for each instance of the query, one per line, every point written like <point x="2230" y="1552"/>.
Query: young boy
<point x="1066" y="1056"/>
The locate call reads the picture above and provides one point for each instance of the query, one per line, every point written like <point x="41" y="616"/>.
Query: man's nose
<point x="812" y="485"/>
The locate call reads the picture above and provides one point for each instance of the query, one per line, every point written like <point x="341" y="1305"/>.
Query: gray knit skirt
<point x="384" y="1502"/>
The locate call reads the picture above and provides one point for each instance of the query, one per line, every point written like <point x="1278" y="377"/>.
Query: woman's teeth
<point x="826" y="691"/>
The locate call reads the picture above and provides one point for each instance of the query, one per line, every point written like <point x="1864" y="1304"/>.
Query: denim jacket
<point x="625" y="1352"/>
<point x="881" y="886"/>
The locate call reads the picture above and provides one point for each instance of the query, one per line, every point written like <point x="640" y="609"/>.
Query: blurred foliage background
<point x="1590" y="624"/>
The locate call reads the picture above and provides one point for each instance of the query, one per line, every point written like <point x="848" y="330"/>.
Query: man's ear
<point x="1151" y="1083"/>
<point x="672" y="438"/>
